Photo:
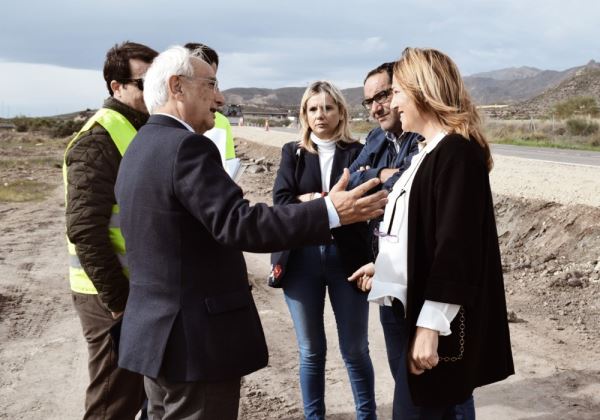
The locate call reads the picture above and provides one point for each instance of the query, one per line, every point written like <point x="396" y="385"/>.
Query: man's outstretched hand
<point x="351" y="206"/>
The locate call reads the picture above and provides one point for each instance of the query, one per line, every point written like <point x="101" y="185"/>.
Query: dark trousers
<point x="396" y="334"/>
<point x="192" y="400"/>
<point x="113" y="393"/>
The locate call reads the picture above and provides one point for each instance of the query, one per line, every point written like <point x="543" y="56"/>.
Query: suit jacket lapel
<point x="313" y="170"/>
<point x="341" y="159"/>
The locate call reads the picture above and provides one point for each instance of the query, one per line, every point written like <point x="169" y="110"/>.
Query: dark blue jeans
<point x="396" y="334"/>
<point x="310" y="271"/>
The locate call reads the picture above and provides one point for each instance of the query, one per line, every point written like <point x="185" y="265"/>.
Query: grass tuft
<point x="23" y="190"/>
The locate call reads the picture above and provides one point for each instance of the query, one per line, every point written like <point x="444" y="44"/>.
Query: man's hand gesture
<point x="351" y="206"/>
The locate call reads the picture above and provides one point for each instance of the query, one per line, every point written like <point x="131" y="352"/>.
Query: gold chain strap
<point x="461" y="341"/>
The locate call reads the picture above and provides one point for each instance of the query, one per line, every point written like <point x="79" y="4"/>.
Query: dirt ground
<point x="551" y="254"/>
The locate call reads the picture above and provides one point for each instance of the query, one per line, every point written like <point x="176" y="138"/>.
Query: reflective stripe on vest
<point x="121" y="132"/>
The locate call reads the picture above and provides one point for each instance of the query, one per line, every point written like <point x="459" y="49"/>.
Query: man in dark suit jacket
<point x="190" y="324"/>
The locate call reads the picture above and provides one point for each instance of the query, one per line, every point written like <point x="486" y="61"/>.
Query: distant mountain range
<point x="513" y="85"/>
<point x="582" y="81"/>
<point x="526" y="90"/>
<point x="283" y="98"/>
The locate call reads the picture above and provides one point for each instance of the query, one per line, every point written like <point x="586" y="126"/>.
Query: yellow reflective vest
<point x="222" y="136"/>
<point x="121" y="132"/>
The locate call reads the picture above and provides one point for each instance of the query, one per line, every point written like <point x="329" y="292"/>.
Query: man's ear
<point x="115" y="86"/>
<point x="175" y="87"/>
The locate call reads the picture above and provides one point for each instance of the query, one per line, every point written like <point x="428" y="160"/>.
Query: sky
<point x="52" y="52"/>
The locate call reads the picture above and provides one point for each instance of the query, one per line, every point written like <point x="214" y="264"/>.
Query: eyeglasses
<point x="138" y="82"/>
<point x="212" y="82"/>
<point x="380" y="98"/>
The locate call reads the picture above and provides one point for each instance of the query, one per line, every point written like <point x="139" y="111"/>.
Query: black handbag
<point x="278" y="263"/>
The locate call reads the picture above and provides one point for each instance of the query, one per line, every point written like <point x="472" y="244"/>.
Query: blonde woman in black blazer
<point x="439" y="262"/>
<point x="308" y="168"/>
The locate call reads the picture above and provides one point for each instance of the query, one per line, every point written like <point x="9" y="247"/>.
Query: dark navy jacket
<point x="380" y="153"/>
<point x="190" y="315"/>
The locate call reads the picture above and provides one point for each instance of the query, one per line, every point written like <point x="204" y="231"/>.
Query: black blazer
<point x="299" y="173"/>
<point x="454" y="257"/>
<point x="190" y="315"/>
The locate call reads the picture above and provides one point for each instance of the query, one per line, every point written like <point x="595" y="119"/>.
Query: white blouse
<point x="390" y="279"/>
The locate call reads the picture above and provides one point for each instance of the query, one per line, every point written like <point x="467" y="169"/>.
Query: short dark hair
<point x="385" y="67"/>
<point x="210" y="55"/>
<point x="116" y="65"/>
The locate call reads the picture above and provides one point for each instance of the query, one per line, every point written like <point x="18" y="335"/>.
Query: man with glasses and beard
<point x="388" y="148"/>
<point x="98" y="271"/>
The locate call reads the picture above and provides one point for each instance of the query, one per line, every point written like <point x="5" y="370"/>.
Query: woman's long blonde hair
<point x="432" y="80"/>
<point x="342" y="131"/>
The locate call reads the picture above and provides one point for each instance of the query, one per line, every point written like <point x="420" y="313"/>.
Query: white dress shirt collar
<point x="186" y="125"/>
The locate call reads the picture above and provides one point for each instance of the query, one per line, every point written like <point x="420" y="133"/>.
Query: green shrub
<point x="42" y="124"/>
<point x="362" y="126"/>
<point x="66" y="128"/>
<point x="536" y="136"/>
<point x="580" y="105"/>
<point x="23" y="190"/>
<point x="21" y="124"/>
<point x="582" y="127"/>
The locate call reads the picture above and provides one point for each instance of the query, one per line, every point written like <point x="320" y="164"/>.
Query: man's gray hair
<point x="176" y="61"/>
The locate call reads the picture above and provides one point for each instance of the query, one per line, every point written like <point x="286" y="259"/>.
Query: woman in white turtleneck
<point x="308" y="169"/>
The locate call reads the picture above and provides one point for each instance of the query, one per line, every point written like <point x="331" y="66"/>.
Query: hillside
<point x="282" y="98"/>
<point x="528" y="92"/>
<point x="511" y="73"/>
<point x="514" y="85"/>
<point x="505" y="86"/>
<point x="488" y="91"/>
<point x="583" y="82"/>
<point x="278" y="98"/>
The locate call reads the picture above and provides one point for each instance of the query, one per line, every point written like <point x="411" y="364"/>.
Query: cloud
<point x="298" y="61"/>
<point x="42" y="89"/>
<point x="273" y="43"/>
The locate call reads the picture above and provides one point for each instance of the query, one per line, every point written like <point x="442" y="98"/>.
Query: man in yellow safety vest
<point x="97" y="260"/>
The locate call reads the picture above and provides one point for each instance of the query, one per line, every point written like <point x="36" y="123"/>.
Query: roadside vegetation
<point x="52" y="127"/>
<point x="574" y="124"/>
<point x="260" y="122"/>
<point x="23" y="190"/>
<point x="580" y="133"/>
<point x="575" y="133"/>
<point x="361" y="128"/>
<point x="30" y="165"/>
